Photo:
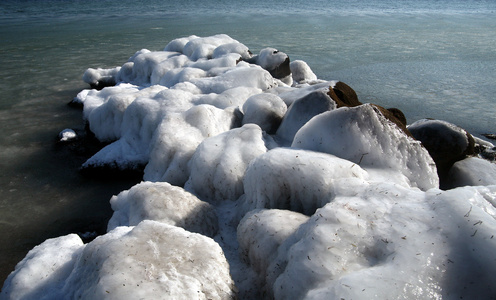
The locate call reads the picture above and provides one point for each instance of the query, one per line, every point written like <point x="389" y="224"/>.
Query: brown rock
<point x="396" y="116"/>
<point x="343" y="95"/>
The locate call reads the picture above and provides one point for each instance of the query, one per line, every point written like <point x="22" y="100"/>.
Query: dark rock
<point x="99" y="85"/>
<point x="279" y="71"/>
<point x="113" y="171"/>
<point x="396" y="116"/>
<point x="343" y="95"/>
<point x="282" y="70"/>
<point x="490" y="136"/>
<point x="446" y="143"/>
<point x="485" y="152"/>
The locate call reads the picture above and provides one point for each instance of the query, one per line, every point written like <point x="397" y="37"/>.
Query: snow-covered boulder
<point x="147" y="261"/>
<point x="266" y="110"/>
<point x="44" y="270"/>
<point x="471" y="171"/>
<point x="296" y="180"/>
<point x="131" y="151"/>
<point x="67" y="135"/>
<point x="364" y="136"/>
<point x="165" y="203"/>
<point x="301" y="72"/>
<point x="301" y="111"/>
<point x="140" y="67"/>
<point x="219" y="163"/>
<point x="261" y="232"/>
<point x="277" y="63"/>
<point x="382" y="241"/>
<point x="100" y="78"/>
<point x="446" y="142"/>
<point x="177" y="137"/>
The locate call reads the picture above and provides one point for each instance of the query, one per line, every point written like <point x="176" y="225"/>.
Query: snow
<point x="165" y="203"/>
<point x="362" y="135"/>
<point x="301" y="111"/>
<point x="472" y="171"/>
<point x="260" y="187"/>
<point x="67" y="135"/>
<point x="301" y="72"/>
<point x="265" y="110"/>
<point x="219" y="163"/>
<point x="44" y="269"/>
<point x="297" y="180"/>
<point x="387" y="241"/>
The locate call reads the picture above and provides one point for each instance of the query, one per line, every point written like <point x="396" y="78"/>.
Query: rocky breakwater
<point x="263" y="181"/>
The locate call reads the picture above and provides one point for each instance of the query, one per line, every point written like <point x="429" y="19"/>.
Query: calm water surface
<point x="429" y="58"/>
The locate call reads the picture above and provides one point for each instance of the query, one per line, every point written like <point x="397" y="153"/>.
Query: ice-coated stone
<point x="364" y="136"/>
<point x="446" y="142"/>
<point x="177" y="138"/>
<point x="265" y="110"/>
<point x="44" y="269"/>
<point x="165" y="203"/>
<point x="219" y="163"/>
<point x="301" y="111"/>
<point x="471" y="171"/>
<point x="296" y="180"/>
<point x="301" y="72"/>
<point x="261" y="232"/>
<point x="382" y="241"/>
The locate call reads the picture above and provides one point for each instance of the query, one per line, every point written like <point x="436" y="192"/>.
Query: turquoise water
<point x="429" y="58"/>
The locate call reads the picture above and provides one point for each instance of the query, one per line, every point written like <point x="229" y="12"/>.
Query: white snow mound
<point x="150" y="260"/>
<point x="165" y="203"/>
<point x="364" y="136"/>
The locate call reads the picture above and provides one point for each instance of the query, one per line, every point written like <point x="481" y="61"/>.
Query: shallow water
<point x="429" y="58"/>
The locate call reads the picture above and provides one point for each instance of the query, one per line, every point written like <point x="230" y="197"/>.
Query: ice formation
<point x="258" y="186"/>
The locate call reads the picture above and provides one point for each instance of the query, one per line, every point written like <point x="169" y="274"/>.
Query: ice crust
<point x="260" y="188"/>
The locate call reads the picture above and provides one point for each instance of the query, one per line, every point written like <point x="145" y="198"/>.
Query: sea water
<point x="433" y="59"/>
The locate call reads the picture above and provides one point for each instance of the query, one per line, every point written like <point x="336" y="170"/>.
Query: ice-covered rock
<point x="471" y="171"/>
<point x="297" y="180"/>
<point x="301" y="72"/>
<point x="301" y="111"/>
<point x="148" y="260"/>
<point x="140" y="67"/>
<point x="261" y="232"/>
<point x="44" y="270"/>
<point x="446" y="142"/>
<point x="104" y="110"/>
<point x="266" y="110"/>
<point x="131" y="151"/>
<point x="219" y="163"/>
<point x="100" y="78"/>
<point x="277" y="63"/>
<point x="177" y="138"/>
<point x="240" y="76"/>
<point x="145" y="261"/>
<point x="364" y="136"/>
<point x="67" y="135"/>
<point x="383" y="241"/>
<point x="165" y="203"/>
